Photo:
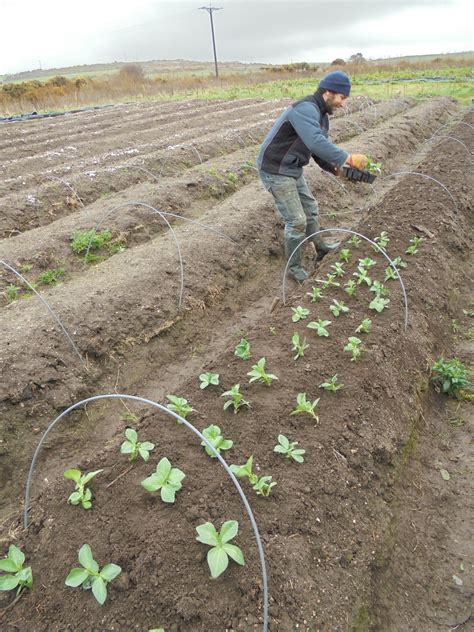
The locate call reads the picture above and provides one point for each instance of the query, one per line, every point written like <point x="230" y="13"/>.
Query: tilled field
<point x="327" y="527"/>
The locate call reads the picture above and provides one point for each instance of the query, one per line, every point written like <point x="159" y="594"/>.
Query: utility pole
<point x="210" y="9"/>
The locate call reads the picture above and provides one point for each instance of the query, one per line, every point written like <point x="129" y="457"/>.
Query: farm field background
<point x="365" y="534"/>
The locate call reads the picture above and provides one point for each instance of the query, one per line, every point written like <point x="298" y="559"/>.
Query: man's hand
<point x="358" y="161"/>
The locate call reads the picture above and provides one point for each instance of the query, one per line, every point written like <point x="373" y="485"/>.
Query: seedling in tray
<point x="133" y="447"/>
<point x="89" y="576"/>
<point x="288" y="448"/>
<point x="16" y="576"/>
<point x="165" y="478"/>
<point x="213" y="435"/>
<point x="299" y="346"/>
<point x="218" y="555"/>
<point x="259" y="374"/>
<point x="305" y="406"/>
<point x="83" y="494"/>
<point x="237" y="399"/>
<point x="263" y="485"/>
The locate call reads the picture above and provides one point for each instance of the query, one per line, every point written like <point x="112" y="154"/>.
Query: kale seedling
<point x="338" y="269"/>
<point x="330" y="281"/>
<point x="399" y="263"/>
<point x="344" y="255"/>
<point x="338" y="308"/>
<point x="213" y="435"/>
<point x="379" y="303"/>
<point x="17" y="576"/>
<point x="180" y="406"/>
<point x="366" y="263"/>
<point x="362" y="276"/>
<point x="299" y="313"/>
<point x="289" y="449"/>
<point x="90" y="576"/>
<point x="218" y="555"/>
<point x="390" y="274"/>
<point x="364" y="327"/>
<point x="208" y="378"/>
<point x="331" y="385"/>
<point x="379" y="289"/>
<point x="259" y="374"/>
<point x="83" y="494"/>
<point x="305" y="406"/>
<point x="242" y="350"/>
<point x="166" y="478"/>
<point x="413" y="248"/>
<point x="133" y="447"/>
<point x="320" y="327"/>
<point x="451" y="375"/>
<point x="353" y="346"/>
<point x="237" y="399"/>
<point x="381" y="241"/>
<point x="350" y="287"/>
<point x="315" y="293"/>
<point x="354" y="241"/>
<point x="262" y="485"/>
<point x="298" y="345"/>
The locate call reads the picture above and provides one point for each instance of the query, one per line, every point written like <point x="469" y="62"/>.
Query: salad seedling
<point x="399" y="263"/>
<point x="350" y="287"/>
<point x="258" y="373"/>
<point x="382" y="240"/>
<point x="379" y="289"/>
<point x="344" y="255"/>
<point x="338" y="308"/>
<point x="165" y="478"/>
<point x="338" y="269"/>
<point x="50" y="277"/>
<point x="218" y="555"/>
<point x="305" y="406"/>
<point x="237" y="399"/>
<point x="362" y="276"/>
<point x="16" y="576"/>
<point x="213" y="435"/>
<point x="83" y="494"/>
<point x="413" y="248"/>
<point x="379" y="304"/>
<point x="330" y="281"/>
<point x="262" y="485"/>
<point x="208" y="379"/>
<point x="299" y="313"/>
<point x="89" y="239"/>
<point x="89" y="576"/>
<point x="364" y="327"/>
<point x="180" y="406"/>
<point x="11" y="293"/>
<point x="331" y="385"/>
<point x="242" y="350"/>
<point x="374" y="167"/>
<point x="298" y="345"/>
<point x="133" y="447"/>
<point x="320" y="326"/>
<point x="354" y="241"/>
<point x="288" y="448"/>
<point x="366" y="263"/>
<point x="390" y="274"/>
<point x="353" y="346"/>
<point x="451" y="375"/>
<point x="315" y="293"/>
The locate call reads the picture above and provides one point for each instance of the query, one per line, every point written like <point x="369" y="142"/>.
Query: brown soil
<point x="355" y="538"/>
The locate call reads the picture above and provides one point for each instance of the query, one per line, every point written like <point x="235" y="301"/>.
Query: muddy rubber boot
<point x="296" y="271"/>
<point x="322" y="247"/>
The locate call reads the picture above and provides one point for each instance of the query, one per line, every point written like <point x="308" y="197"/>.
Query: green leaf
<point x="8" y="565"/>
<point x="151" y="484"/>
<point x="131" y="435"/>
<point x="168" y="494"/>
<point x="207" y="534"/>
<point x="16" y="556"/>
<point x="229" y="530"/>
<point x="75" y="498"/>
<point x="127" y="447"/>
<point x="217" y="560"/>
<point x="163" y="469"/>
<point x="8" y="582"/>
<point x="235" y="553"/>
<point x="25" y="576"/>
<point x="86" y="559"/>
<point x="110" y="572"/>
<point x="74" y="475"/>
<point x="87" y="477"/>
<point x="99" y="589"/>
<point x="144" y="453"/>
<point x="146" y="445"/>
<point x="76" y="577"/>
<point x="176" y="476"/>
<point x="445" y="475"/>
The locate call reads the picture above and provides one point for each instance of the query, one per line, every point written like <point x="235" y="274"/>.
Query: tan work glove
<point x="358" y="161"/>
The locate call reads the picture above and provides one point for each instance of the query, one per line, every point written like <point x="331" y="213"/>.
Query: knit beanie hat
<point x="336" y="81"/>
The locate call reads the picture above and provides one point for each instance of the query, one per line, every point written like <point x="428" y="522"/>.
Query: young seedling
<point x="133" y="447"/>
<point x="451" y="375"/>
<point x="165" y="478"/>
<point x="242" y="350"/>
<point x="399" y="263"/>
<point x="413" y="248"/>
<point x="354" y="241"/>
<point x="330" y="281"/>
<point x="218" y="555"/>
<point x="262" y="485"/>
<point x="362" y="276"/>
<point x="180" y="406"/>
<point x="298" y="345"/>
<point x="344" y="255"/>
<point x="299" y="313"/>
<point x="258" y="374"/>
<point x="305" y="406"/>
<point x="338" y="269"/>
<point x="82" y="495"/>
<point x="379" y="304"/>
<point x="208" y="379"/>
<point x="338" y="308"/>
<point x="51" y="277"/>
<point x="374" y="167"/>
<point x="364" y="327"/>
<point x="320" y="327"/>
<point x="315" y="293"/>
<point x="350" y="287"/>
<point x="382" y="240"/>
<point x="353" y="346"/>
<point x="237" y="399"/>
<point x="11" y="293"/>
<point x="379" y="289"/>
<point x="213" y="435"/>
<point x="331" y="385"/>
<point x="90" y="576"/>
<point x="366" y="263"/>
<point x="89" y="239"/>
<point x="16" y="576"/>
<point x="287" y="447"/>
<point x="390" y="274"/>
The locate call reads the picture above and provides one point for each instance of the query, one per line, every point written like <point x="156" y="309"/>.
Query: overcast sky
<point x="56" y="33"/>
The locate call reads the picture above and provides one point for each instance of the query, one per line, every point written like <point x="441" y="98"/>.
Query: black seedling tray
<point x="356" y="175"/>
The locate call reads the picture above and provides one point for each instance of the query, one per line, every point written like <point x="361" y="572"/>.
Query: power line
<point x="210" y="9"/>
